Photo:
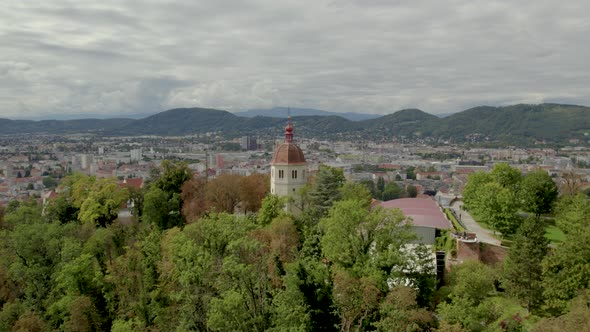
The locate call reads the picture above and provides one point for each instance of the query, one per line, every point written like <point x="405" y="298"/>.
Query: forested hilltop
<point x="514" y="125"/>
<point x="224" y="255"/>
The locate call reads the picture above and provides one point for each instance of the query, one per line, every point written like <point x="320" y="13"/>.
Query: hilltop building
<point x="428" y="219"/>
<point x="288" y="168"/>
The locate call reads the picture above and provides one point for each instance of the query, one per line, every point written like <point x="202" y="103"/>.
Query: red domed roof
<point x="288" y="154"/>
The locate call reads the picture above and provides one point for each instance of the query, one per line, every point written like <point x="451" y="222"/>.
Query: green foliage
<point x="456" y="224"/>
<point x="347" y="268"/>
<point x="59" y="209"/>
<point x="162" y="203"/>
<point x="357" y="192"/>
<point x="411" y="191"/>
<point x="522" y="268"/>
<point x="566" y="269"/>
<point x="355" y="236"/>
<point x="538" y="193"/>
<point x="102" y="203"/>
<point x="162" y="209"/>
<point x="27" y="212"/>
<point x="577" y="317"/>
<point x="506" y="176"/>
<point x="400" y="312"/>
<point x="326" y="190"/>
<point x="492" y="198"/>
<point x="272" y="207"/>
<point x="469" y="304"/>
<point x="410" y="173"/>
<point x="36" y="249"/>
<point x="497" y="207"/>
<point x="49" y="182"/>
<point x="392" y="191"/>
<point x="445" y="242"/>
<point x="306" y="290"/>
<point x="474" y="183"/>
<point x="515" y="124"/>
<point x="573" y="213"/>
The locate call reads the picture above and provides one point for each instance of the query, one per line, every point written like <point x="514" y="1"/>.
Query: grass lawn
<point x="554" y="234"/>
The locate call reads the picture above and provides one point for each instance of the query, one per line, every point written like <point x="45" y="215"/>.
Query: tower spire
<point x="289" y="131"/>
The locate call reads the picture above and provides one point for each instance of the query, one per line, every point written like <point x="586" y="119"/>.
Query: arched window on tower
<point x="294" y="174"/>
<point x="281" y="174"/>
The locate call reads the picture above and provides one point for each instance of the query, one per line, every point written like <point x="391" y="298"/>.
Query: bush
<point x="456" y="224"/>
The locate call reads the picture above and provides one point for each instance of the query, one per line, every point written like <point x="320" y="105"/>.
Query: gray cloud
<point x="118" y="57"/>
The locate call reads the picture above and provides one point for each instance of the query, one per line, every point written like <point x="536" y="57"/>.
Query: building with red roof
<point x="136" y="183"/>
<point x="427" y="216"/>
<point x="288" y="166"/>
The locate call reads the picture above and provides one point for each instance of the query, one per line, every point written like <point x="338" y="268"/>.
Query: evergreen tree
<point x="522" y="268"/>
<point x="326" y="189"/>
<point x="380" y="186"/>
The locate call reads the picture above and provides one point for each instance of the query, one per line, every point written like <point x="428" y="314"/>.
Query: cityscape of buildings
<point x="31" y="167"/>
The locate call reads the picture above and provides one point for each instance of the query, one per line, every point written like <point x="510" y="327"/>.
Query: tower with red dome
<point x="288" y="168"/>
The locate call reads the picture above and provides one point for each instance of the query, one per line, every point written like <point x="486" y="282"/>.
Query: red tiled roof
<point x="424" y="211"/>
<point x="288" y="154"/>
<point x="133" y="182"/>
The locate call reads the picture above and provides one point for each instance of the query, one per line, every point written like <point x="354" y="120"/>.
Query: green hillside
<point x="516" y="125"/>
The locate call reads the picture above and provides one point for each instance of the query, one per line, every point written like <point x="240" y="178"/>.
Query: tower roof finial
<point x="289" y="128"/>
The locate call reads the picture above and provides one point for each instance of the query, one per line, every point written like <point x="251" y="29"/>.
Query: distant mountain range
<point x="514" y="125"/>
<point x="283" y="112"/>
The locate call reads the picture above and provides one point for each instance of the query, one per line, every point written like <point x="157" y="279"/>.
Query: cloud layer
<point x="117" y="57"/>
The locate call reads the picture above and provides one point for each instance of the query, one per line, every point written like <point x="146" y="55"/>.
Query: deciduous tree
<point x="538" y="193"/>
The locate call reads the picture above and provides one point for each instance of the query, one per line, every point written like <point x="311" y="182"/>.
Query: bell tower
<point x="288" y="168"/>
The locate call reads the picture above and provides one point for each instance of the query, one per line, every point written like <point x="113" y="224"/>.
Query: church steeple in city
<point x="288" y="166"/>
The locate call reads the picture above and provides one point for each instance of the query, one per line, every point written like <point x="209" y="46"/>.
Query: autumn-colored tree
<point x="571" y="183"/>
<point x="356" y="299"/>
<point x="400" y="312"/>
<point x="282" y="240"/>
<point x="194" y="197"/>
<point x="252" y="189"/>
<point x="30" y="322"/>
<point x="223" y="193"/>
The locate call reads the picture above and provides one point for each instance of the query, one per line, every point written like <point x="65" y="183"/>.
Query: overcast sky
<point x="117" y="57"/>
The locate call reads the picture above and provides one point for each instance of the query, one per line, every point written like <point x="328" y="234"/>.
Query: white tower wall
<point x="286" y="180"/>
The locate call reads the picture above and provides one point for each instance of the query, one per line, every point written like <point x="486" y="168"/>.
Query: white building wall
<point x="290" y="182"/>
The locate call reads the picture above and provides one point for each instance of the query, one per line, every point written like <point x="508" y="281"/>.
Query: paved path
<point x="483" y="235"/>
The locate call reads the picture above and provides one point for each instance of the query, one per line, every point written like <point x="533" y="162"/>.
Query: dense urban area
<point x="162" y="233"/>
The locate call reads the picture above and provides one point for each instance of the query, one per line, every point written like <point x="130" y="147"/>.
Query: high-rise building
<point x="248" y="143"/>
<point x="288" y="166"/>
<point x="135" y="155"/>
